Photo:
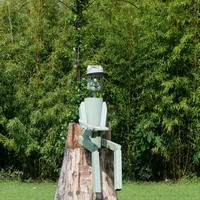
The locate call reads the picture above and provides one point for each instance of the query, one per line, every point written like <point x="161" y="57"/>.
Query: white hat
<point x="92" y="69"/>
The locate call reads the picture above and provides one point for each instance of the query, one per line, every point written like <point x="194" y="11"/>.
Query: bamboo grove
<point x="150" y="51"/>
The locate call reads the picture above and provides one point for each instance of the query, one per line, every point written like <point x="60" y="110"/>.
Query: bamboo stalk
<point x="38" y="40"/>
<point x="10" y="21"/>
<point x="78" y="47"/>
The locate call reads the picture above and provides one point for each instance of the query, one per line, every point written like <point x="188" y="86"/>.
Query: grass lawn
<point x="160" y="191"/>
<point x="10" y="190"/>
<point x="14" y="190"/>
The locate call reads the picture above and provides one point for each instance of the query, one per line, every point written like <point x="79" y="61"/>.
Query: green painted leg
<point x="118" y="169"/>
<point x="87" y="143"/>
<point x="116" y="148"/>
<point x="96" y="172"/>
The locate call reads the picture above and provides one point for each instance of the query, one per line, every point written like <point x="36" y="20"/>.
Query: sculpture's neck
<point x="94" y="94"/>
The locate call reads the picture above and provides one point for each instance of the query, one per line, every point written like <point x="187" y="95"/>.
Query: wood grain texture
<point x="75" y="182"/>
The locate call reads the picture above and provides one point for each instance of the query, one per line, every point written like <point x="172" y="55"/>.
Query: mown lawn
<point x="13" y="190"/>
<point x="161" y="191"/>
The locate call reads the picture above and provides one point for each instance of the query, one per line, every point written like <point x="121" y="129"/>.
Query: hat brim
<point x="95" y="73"/>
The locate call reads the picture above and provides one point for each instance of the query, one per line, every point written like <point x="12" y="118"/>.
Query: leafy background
<point x="150" y="51"/>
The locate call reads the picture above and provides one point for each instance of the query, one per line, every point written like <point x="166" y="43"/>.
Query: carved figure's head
<point x="94" y="78"/>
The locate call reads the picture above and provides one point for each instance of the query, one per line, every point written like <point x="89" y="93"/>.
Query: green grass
<point x="14" y="190"/>
<point x="160" y="191"/>
<point x="185" y="190"/>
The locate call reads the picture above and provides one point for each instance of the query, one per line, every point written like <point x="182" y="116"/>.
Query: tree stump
<point x="75" y="182"/>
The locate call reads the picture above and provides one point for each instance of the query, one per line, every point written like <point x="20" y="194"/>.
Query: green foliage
<point x="151" y="57"/>
<point x="38" y="89"/>
<point x="150" y="52"/>
<point x="9" y="174"/>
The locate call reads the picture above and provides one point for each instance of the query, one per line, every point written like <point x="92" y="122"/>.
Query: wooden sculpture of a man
<point x="92" y="119"/>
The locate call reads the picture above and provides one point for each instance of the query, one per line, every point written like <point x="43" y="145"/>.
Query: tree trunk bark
<point x="75" y="182"/>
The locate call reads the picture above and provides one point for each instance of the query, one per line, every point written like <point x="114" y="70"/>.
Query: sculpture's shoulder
<point x="93" y="99"/>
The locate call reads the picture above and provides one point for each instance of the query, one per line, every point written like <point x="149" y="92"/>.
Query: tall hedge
<point x="150" y="52"/>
